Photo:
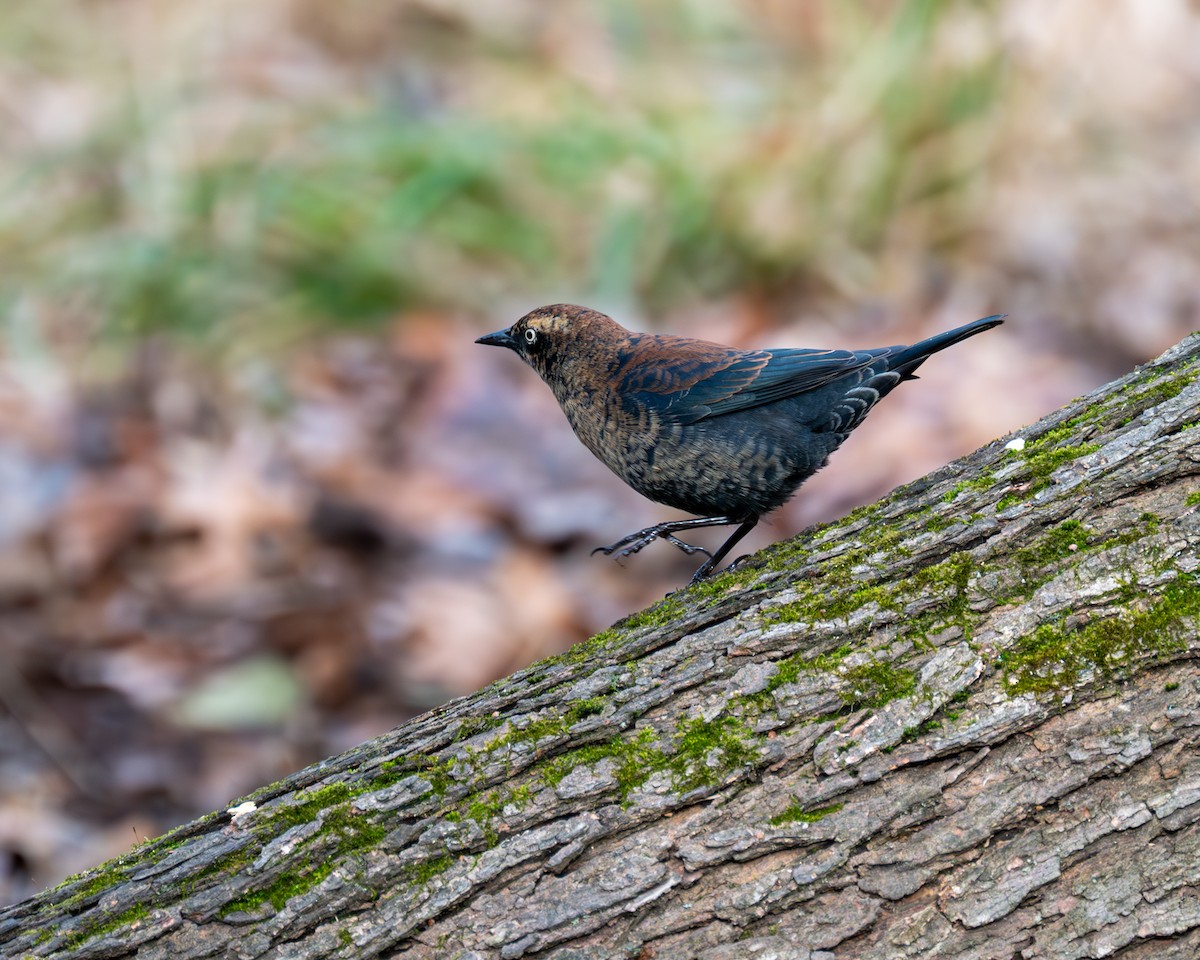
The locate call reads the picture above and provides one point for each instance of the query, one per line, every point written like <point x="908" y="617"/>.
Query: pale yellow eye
<point x="530" y="336"/>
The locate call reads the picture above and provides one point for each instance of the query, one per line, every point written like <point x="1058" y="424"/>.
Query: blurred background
<point x="262" y="498"/>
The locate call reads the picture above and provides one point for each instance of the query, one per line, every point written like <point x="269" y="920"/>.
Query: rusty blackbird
<point x="726" y="434"/>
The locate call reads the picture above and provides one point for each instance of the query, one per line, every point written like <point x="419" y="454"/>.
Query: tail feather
<point x="906" y="360"/>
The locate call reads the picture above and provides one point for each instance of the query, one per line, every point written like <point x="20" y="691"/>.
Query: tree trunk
<point x="959" y="723"/>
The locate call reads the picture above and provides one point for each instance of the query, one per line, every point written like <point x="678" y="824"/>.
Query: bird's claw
<point x="628" y="546"/>
<point x="631" y="544"/>
<point x="688" y="548"/>
<point x="706" y="569"/>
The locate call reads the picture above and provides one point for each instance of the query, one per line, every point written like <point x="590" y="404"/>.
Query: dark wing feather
<point x="689" y="380"/>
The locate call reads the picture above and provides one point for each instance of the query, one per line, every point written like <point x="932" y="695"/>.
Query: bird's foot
<point x="627" y="546"/>
<point x="709" y="565"/>
<point x="706" y="568"/>
<point x="688" y="548"/>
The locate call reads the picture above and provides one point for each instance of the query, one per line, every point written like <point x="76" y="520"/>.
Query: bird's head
<point x="550" y="338"/>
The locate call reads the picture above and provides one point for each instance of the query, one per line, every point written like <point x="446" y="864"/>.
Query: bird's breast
<point x="621" y="435"/>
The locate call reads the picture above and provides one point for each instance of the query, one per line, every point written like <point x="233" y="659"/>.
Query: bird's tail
<point x="906" y="360"/>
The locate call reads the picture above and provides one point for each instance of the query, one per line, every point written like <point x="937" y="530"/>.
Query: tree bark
<point x="960" y="723"/>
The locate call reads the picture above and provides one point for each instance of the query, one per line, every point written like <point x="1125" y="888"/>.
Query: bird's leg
<point x="688" y="548"/>
<point x="627" y="546"/>
<point x="714" y="558"/>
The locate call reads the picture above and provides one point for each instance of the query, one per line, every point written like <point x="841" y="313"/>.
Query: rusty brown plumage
<point x="722" y="433"/>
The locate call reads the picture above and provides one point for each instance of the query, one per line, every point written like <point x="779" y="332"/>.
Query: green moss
<point x="470" y="726"/>
<point x="1046" y="453"/>
<point x="880" y="538"/>
<point x="948" y="578"/>
<point x="605" y="638"/>
<point x="1055" y="656"/>
<point x="789" y="555"/>
<point x="861" y="512"/>
<point x="841" y="607"/>
<point x="871" y="685"/>
<point x="949" y="581"/>
<point x="108" y="875"/>
<point x="486" y="807"/>
<point x="281" y="891"/>
<point x="1043" y="463"/>
<point x="706" y="750"/>
<point x="955" y="571"/>
<point x="389" y="772"/>
<point x="228" y="865"/>
<point x="433" y="770"/>
<point x="636" y="758"/>
<point x="581" y="709"/>
<point x="483" y="808"/>
<point x="344" y="832"/>
<point x="307" y="807"/>
<point x="926" y="726"/>
<point x="867" y="685"/>
<point x="1146" y="524"/>
<point x="1171" y="687"/>
<point x="663" y="612"/>
<point x="550" y="726"/>
<point x="795" y="813"/>
<point x="1192" y="499"/>
<point x="1057" y="435"/>
<point x="421" y="873"/>
<point x="106" y="925"/>
<point x="1167" y="389"/>
<point x="1061" y="541"/>
<point x="703" y="752"/>
<point x="937" y="523"/>
<point x="985" y="482"/>
<point x="716" y="588"/>
<point x="831" y="660"/>
<point x="355" y="830"/>
<point x="818" y="601"/>
<point x="580" y="652"/>
<point x="789" y="669"/>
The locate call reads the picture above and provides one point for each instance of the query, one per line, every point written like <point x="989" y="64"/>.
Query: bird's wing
<point x="688" y="380"/>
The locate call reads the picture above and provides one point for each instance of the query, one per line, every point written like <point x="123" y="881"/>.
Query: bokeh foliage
<point x="651" y="155"/>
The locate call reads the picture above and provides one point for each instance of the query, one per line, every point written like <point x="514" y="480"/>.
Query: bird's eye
<point x="530" y="336"/>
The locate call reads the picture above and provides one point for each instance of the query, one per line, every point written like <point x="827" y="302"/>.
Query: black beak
<point x="501" y="338"/>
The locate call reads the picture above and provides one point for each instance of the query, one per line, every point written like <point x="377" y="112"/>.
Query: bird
<point x="725" y="434"/>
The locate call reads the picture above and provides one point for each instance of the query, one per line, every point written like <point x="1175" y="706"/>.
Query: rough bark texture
<point x="960" y="723"/>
